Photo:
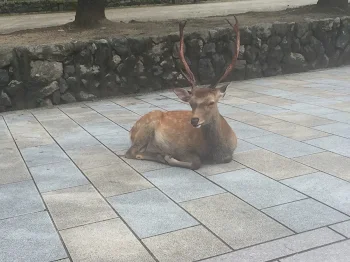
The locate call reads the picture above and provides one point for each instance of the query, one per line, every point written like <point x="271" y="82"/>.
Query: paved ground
<point x="67" y="194"/>
<point x="151" y="13"/>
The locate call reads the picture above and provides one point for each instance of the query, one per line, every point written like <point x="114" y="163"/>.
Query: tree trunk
<point x="90" y="12"/>
<point x="343" y="4"/>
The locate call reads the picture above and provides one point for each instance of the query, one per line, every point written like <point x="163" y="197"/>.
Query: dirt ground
<point x="66" y="33"/>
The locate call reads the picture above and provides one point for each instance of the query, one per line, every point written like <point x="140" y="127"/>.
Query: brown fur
<point x="169" y="137"/>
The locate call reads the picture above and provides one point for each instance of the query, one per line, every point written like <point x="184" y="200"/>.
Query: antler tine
<point x="235" y="56"/>
<point x="189" y="76"/>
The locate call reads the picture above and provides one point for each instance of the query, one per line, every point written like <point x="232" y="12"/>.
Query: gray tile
<point x="253" y="119"/>
<point x="284" y="146"/>
<point x="43" y="155"/>
<point x="76" y="139"/>
<point x="149" y="212"/>
<point x="330" y="190"/>
<point x="334" y="144"/>
<point x="61" y="127"/>
<point x="256" y="189"/>
<point x="30" y="238"/>
<point x="102" y="106"/>
<point x="92" y="157"/>
<point x="343" y="228"/>
<point x="188" y="244"/>
<point x="263" y="109"/>
<point x="43" y="114"/>
<point x="342" y="106"/>
<point x="294" y="131"/>
<point x="182" y="184"/>
<point x="143" y="166"/>
<point x="272" y="101"/>
<point x="116" y="179"/>
<point x="310" y="109"/>
<point x="303" y="119"/>
<point x="339" y="129"/>
<point x="328" y="162"/>
<point x="104" y="241"/>
<point x="19" y="199"/>
<point x="119" y="143"/>
<point x="77" y="206"/>
<point x="339" y="252"/>
<point x="232" y="100"/>
<point x="102" y="128"/>
<point x="305" y="214"/>
<point x="213" y="169"/>
<point x="234" y="221"/>
<point x="343" y="117"/>
<point x="57" y="176"/>
<point x="244" y="131"/>
<point x="281" y="247"/>
<point x="12" y="167"/>
<point x="243" y="146"/>
<point x="33" y="139"/>
<point x="272" y="165"/>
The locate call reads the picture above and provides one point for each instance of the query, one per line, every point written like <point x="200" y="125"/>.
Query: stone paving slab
<point x="284" y="146"/>
<point x="335" y="144"/>
<point x="31" y="238"/>
<point x="19" y="199"/>
<point x="116" y="179"/>
<point x="339" y="129"/>
<point x="324" y="188"/>
<point x="57" y="176"/>
<point x="77" y="206"/>
<point x="339" y="252"/>
<point x="294" y="131"/>
<point x="343" y="228"/>
<point x="188" y="244"/>
<point x="328" y="162"/>
<point x="181" y="184"/>
<point x="149" y="212"/>
<point x="305" y="215"/>
<point x="104" y="241"/>
<point x="256" y="189"/>
<point x="271" y="164"/>
<point x="234" y="221"/>
<point x="281" y="247"/>
<point x="63" y="174"/>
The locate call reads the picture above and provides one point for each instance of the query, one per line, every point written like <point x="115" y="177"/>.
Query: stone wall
<point x="32" y="76"/>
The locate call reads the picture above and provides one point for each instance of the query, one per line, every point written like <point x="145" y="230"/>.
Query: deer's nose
<point x="194" y="121"/>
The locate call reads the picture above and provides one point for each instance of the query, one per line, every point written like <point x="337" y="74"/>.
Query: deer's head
<point x="204" y="100"/>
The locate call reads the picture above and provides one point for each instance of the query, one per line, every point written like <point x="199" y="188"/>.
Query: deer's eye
<point x="211" y="104"/>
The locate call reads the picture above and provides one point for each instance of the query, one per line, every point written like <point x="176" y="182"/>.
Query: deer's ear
<point x="221" y="90"/>
<point x="183" y="94"/>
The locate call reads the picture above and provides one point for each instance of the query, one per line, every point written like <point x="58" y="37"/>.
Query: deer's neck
<point x="213" y="132"/>
<point x="219" y="148"/>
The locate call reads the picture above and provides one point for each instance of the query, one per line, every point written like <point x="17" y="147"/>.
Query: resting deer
<point x="184" y="138"/>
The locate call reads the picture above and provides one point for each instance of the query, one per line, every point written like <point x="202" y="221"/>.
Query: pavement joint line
<point x="38" y="191"/>
<point x="310" y="249"/>
<point x="290" y="202"/>
<point x="329" y="226"/>
<point x="276" y="239"/>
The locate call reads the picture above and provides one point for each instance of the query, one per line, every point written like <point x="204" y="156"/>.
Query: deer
<point x="188" y="138"/>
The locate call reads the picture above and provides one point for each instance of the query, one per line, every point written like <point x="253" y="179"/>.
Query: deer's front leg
<point x="193" y="162"/>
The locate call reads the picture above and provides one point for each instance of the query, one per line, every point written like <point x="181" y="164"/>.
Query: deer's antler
<point x="235" y="56"/>
<point x="188" y="75"/>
